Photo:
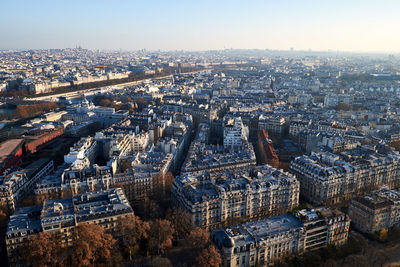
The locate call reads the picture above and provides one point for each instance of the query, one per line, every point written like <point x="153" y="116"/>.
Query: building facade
<point x="327" y="178"/>
<point x="62" y="216"/>
<point x="268" y="241"/>
<point x="372" y="213"/>
<point x="216" y="199"/>
<point x="17" y="185"/>
<point x="234" y="132"/>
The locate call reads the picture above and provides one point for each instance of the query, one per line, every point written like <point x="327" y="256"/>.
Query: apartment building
<point x="218" y="198"/>
<point x="328" y="178"/>
<point x="296" y="126"/>
<point x="275" y="125"/>
<point x="139" y="141"/>
<point x="83" y="150"/>
<point x="380" y="209"/>
<point x="14" y="187"/>
<point x="213" y="158"/>
<point x="269" y="240"/>
<point x="137" y="185"/>
<point x="234" y="132"/>
<point x="63" y="215"/>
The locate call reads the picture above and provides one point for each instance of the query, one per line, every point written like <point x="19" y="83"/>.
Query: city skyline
<point x="359" y="26"/>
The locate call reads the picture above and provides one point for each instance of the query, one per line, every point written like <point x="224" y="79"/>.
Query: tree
<point x="3" y="228"/>
<point x="160" y="261"/>
<point x="141" y="103"/>
<point x="105" y="102"/>
<point x="383" y="234"/>
<point x="42" y="249"/>
<point x="379" y="257"/>
<point x="25" y="111"/>
<point x="198" y="238"/>
<point x="209" y="257"/>
<point x="356" y="261"/>
<point x="153" y="261"/>
<point x="152" y="208"/>
<point x="161" y="235"/>
<point x="330" y="263"/>
<point x="3" y="218"/>
<point x="132" y="230"/>
<point x="181" y="221"/>
<point x="91" y="245"/>
<point x="20" y="112"/>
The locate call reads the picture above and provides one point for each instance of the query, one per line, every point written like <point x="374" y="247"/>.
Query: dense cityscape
<point x="218" y="158"/>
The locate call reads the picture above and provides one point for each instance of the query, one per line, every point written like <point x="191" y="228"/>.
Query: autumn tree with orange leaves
<point x="209" y="257"/>
<point x="3" y="218"/>
<point x="91" y="245"/>
<point x="198" y="238"/>
<point x="132" y="229"/>
<point x="160" y="236"/>
<point x="26" y="111"/>
<point x="42" y="249"/>
<point x="181" y="221"/>
<point x="383" y="234"/>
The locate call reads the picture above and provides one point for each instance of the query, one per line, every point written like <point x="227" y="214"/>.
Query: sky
<point x="320" y="25"/>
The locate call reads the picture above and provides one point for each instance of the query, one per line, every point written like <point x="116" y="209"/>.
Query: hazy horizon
<point x="328" y="26"/>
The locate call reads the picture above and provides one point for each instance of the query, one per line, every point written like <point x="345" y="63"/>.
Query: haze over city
<point x="366" y="26"/>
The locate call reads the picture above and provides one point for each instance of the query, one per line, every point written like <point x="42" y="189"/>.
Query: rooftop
<point x="68" y="211"/>
<point x="272" y="226"/>
<point x="8" y="147"/>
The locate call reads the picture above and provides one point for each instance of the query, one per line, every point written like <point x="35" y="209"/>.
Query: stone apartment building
<point x="15" y="186"/>
<point x="63" y="215"/>
<point x="215" y="199"/>
<point x="269" y="240"/>
<point x="328" y="178"/>
<point x="380" y="209"/>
